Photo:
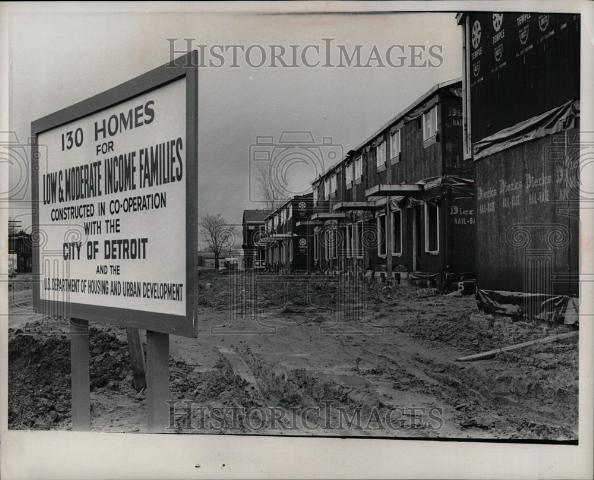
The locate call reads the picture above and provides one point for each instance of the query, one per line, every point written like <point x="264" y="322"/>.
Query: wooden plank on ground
<point x="490" y="353"/>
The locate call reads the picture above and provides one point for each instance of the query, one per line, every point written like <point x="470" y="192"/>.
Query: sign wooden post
<point x="157" y="353"/>
<point x="115" y="222"/>
<point x="136" y="358"/>
<point x="79" y="372"/>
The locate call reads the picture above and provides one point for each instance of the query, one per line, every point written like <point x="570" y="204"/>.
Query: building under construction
<point x="402" y="202"/>
<point x="286" y="242"/>
<point x="521" y="132"/>
<point x="253" y="229"/>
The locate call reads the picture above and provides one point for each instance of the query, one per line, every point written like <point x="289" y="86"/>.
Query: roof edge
<point x="429" y="93"/>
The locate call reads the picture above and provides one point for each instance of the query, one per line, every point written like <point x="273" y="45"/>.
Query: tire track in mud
<point x="400" y="376"/>
<point x="469" y="392"/>
<point x="348" y="397"/>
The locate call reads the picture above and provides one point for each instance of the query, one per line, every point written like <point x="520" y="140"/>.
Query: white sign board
<point x="112" y="199"/>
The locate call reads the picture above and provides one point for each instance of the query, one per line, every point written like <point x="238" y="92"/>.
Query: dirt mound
<point x="39" y="379"/>
<point x="217" y="399"/>
<point x="110" y="361"/>
<point x="39" y="375"/>
<point x="295" y="387"/>
<point x="219" y="385"/>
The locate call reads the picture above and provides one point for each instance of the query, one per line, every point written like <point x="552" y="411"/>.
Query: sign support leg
<point x="79" y="368"/>
<point x="157" y="380"/>
<point x="136" y="358"/>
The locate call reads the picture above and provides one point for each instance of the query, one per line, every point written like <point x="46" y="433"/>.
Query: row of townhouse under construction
<point x="477" y="179"/>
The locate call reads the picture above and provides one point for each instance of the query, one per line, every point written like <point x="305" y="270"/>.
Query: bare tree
<point x="218" y="235"/>
<point x="273" y="190"/>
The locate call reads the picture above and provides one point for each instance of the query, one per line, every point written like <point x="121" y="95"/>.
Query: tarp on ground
<point x="553" y="121"/>
<point x="534" y="306"/>
<point x="424" y="276"/>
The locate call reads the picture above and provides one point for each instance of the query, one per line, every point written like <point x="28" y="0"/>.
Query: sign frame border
<point x="181" y="67"/>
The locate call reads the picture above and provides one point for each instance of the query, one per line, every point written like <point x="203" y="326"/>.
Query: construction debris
<point x="491" y="353"/>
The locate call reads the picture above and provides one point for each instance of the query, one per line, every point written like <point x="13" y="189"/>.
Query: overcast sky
<point x="59" y="59"/>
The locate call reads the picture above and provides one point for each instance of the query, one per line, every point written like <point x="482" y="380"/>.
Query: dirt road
<point x="315" y="356"/>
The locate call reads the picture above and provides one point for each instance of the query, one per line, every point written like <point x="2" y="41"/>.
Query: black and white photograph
<point x="298" y="219"/>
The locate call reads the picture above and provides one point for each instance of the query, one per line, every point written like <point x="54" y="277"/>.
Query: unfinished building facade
<point x="401" y="204"/>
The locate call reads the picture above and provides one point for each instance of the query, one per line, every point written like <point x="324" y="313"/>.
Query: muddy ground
<point x="312" y="356"/>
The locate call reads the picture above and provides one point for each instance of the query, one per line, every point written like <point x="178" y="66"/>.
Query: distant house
<point x="205" y="260"/>
<point x="20" y="244"/>
<point x="232" y="259"/>
<point x="288" y="242"/>
<point x="253" y="227"/>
